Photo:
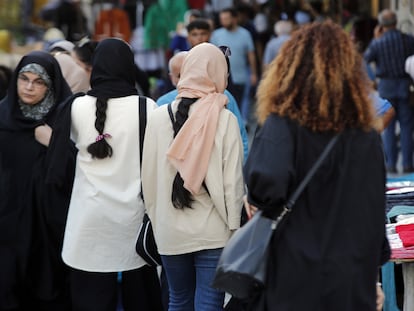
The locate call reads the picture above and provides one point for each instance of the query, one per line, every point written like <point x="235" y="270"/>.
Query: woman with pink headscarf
<point x="192" y="179"/>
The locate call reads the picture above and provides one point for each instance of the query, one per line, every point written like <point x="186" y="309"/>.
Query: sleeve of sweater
<point x="270" y="166"/>
<point x="149" y="165"/>
<point x="233" y="173"/>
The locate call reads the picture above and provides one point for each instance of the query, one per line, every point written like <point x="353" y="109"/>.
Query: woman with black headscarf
<point x="32" y="211"/>
<point x="106" y="208"/>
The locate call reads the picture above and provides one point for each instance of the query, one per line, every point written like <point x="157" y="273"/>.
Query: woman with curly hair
<point x="324" y="256"/>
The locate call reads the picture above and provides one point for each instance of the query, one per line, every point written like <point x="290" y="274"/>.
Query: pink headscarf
<point x="204" y="76"/>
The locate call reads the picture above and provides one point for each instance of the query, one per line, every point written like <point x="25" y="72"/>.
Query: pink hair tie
<point x="102" y="136"/>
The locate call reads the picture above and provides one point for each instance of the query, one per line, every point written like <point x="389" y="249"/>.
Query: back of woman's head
<point x="318" y="80"/>
<point x="84" y="50"/>
<point x="204" y="70"/>
<point x="113" y="62"/>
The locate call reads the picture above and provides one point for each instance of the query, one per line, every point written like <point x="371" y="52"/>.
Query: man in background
<point x="389" y="51"/>
<point x="282" y="31"/>
<point x="243" y="58"/>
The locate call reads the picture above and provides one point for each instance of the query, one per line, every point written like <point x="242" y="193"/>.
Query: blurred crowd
<point x="157" y="30"/>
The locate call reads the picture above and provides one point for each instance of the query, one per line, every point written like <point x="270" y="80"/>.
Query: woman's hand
<point x="43" y="133"/>
<point x="380" y="297"/>
<point x="250" y="209"/>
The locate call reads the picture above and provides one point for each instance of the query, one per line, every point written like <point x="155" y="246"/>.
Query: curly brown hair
<point x="318" y="79"/>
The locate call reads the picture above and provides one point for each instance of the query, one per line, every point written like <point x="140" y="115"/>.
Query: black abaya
<point x="328" y="253"/>
<point x="32" y="212"/>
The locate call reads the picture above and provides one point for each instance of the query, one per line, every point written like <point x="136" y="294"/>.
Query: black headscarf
<point x="113" y="75"/>
<point x="11" y="117"/>
<point x="113" y="70"/>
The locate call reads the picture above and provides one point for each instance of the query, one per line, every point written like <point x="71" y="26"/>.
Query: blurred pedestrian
<point x="5" y="77"/>
<point x="243" y="58"/>
<point x="75" y="75"/>
<point x="66" y="15"/>
<point x="83" y="52"/>
<point x="389" y="51"/>
<point x="282" y="30"/>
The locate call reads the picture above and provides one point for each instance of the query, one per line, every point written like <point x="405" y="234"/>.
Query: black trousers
<point x="98" y="291"/>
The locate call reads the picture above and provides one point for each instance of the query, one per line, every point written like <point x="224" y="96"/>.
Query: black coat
<point x="32" y="211"/>
<point x="328" y="253"/>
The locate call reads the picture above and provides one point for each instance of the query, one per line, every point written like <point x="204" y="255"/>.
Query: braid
<point x="100" y="149"/>
<point x="181" y="197"/>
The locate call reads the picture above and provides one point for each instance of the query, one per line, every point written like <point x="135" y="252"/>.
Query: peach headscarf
<point x="204" y="76"/>
<point x="75" y="76"/>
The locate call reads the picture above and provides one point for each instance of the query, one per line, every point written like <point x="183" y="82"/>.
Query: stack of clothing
<point x="399" y="210"/>
<point x="399" y="193"/>
<point x="401" y="235"/>
<point x="400" y="216"/>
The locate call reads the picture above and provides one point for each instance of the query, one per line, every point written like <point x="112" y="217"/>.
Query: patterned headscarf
<point x="11" y="115"/>
<point x="39" y="110"/>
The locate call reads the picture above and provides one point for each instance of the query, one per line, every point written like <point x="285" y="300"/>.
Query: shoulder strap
<point x="142" y="124"/>
<point x="171" y="113"/>
<point x="142" y="110"/>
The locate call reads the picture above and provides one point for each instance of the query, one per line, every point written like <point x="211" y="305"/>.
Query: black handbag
<point x="146" y="247"/>
<point x="242" y="267"/>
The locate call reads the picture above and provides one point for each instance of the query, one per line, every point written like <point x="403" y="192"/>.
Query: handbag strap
<point x="142" y="110"/>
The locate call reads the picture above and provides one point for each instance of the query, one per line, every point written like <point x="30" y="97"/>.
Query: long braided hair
<point x="100" y="148"/>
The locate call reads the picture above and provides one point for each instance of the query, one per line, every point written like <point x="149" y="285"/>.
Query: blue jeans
<point x="189" y="277"/>
<point x="405" y="116"/>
